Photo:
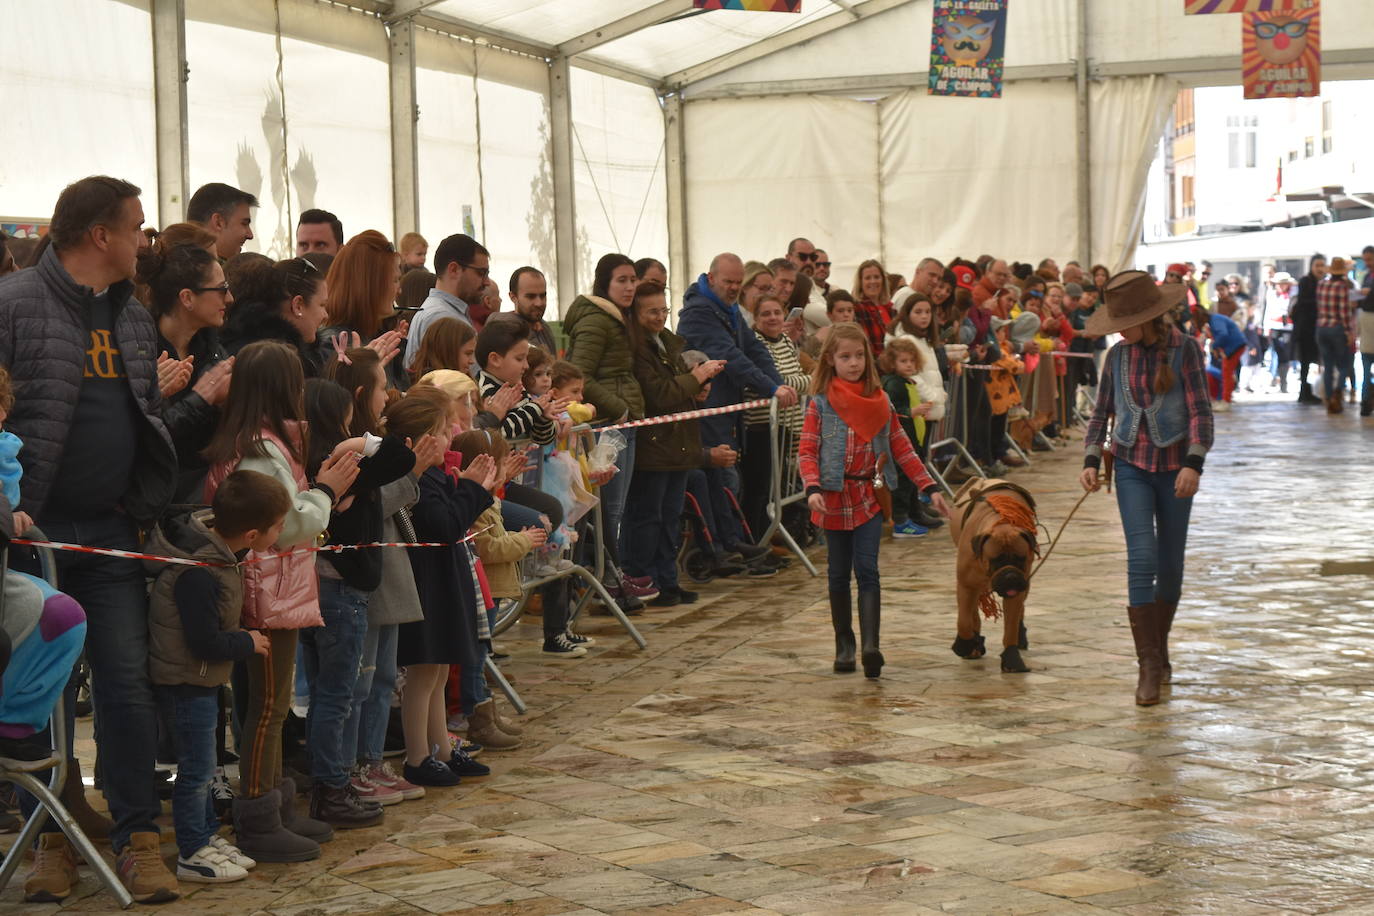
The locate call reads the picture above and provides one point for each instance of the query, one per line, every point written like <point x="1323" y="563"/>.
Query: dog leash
<point x="1046" y="555"/>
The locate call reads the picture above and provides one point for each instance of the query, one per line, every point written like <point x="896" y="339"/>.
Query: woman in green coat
<point x="599" y="344"/>
<point x="667" y="451"/>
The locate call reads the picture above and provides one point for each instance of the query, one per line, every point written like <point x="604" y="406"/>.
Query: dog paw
<point x="1011" y="661"/>
<point x="973" y="647"/>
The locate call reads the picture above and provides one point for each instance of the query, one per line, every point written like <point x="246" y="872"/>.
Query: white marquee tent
<point x="561" y="129"/>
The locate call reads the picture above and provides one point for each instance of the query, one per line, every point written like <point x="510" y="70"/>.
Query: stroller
<point x="699" y="553"/>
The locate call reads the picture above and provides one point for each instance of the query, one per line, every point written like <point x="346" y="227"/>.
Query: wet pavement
<point x="726" y="770"/>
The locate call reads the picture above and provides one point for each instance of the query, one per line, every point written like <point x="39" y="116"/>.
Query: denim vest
<point x="835" y="436"/>
<point x="1166" y="418"/>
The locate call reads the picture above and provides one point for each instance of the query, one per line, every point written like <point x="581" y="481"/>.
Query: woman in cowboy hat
<point x="1154" y="385"/>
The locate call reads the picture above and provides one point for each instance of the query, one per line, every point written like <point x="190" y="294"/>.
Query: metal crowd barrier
<point x="785" y="487"/>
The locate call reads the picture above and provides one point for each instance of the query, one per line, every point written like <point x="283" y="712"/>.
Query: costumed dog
<point x="993" y="524"/>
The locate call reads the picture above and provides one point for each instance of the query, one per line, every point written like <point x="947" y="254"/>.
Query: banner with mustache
<point x="967" y="38"/>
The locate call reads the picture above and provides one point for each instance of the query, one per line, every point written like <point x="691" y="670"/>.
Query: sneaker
<point x="1013" y="460"/>
<point x="668" y="597"/>
<point x="1221" y="406"/>
<point x="233" y="853"/>
<point x="143" y="873"/>
<point x="639" y="587"/>
<point x="368" y="790"/>
<point x="430" y="772"/>
<point x="221" y="793"/>
<point x="559" y="647"/>
<point x="761" y="571"/>
<point x="725" y="570"/>
<point x="381" y="774"/>
<point x="209" y="866"/>
<point x="464" y="766"/>
<point x="577" y="639"/>
<point x="340" y="806"/>
<point x="909" y="529"/>
<point x="53" y="876"/>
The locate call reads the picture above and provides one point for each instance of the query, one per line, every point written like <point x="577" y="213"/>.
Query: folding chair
<point x="49" y="804"/>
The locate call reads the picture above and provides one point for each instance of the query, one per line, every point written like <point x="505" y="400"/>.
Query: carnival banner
<point x="1192" y="7"/>
<point x="762" y="6"/>
<point x="1282" y="55"/>
<point x="967" y="47"/>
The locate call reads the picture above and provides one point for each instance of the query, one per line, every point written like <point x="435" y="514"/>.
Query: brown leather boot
<point x="483" y="729"/>
<point x="94" y="824"/>
<point x="1145" y="631"/>
<point x="506" y="725"/>
<point x="1165" y="610"/>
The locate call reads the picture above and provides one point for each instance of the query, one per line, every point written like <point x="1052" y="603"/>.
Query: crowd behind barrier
<point x="350" y="396"/>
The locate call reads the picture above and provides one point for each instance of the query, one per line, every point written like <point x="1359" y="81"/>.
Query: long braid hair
<point x="1160" y="329"/>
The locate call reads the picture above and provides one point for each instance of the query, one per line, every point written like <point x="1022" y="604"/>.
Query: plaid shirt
<point x="874" y="320"/>
<point x="850" y="507"/>
<point x="1334" y="308"/>
<point x="1141" y="364"/>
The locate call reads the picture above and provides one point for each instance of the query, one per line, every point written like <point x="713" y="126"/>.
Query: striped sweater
<point x="523" y="421"/>
<point x="785" y="360"/>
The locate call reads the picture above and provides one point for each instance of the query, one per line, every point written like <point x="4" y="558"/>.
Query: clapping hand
<point x="173" y="374"/>
<point x="505" y="397"/>
<point x="538" y="536"/>
<point x="213" y="386"/>
<point x="483" y="471"/>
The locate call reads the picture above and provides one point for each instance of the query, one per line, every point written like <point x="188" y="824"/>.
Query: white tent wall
<point x="76" y="101"/>
<point x="618" y="157"/>
<point x="1004" y="183"/>
<point x="335" y="149"/>
<point x="764" y="171"/>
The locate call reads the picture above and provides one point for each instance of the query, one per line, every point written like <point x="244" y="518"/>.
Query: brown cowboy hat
<point x="1132" y="297"/>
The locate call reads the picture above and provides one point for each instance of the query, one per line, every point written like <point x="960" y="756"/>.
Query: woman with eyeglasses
<point x="188" y="297"/>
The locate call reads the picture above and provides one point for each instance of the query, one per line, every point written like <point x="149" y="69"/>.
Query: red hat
<point x="1180" y="269"/>
<point x="964" y="276"/>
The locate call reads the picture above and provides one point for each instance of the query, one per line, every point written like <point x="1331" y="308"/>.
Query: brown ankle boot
<point x="506" y="725"/>
<point x="482" y="728"/>
<point x="1145" y="631"/>
<point x="1165" y="612"/>
<point x="94" y="824"/>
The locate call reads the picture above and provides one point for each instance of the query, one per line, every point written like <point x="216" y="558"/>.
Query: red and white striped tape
<point x="687" y="415"/>
<point x="183" y="561"/>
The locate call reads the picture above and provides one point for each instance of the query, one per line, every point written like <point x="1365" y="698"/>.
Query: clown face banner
<point x="967" y="40"/>
<point x="1281" y="54"/>
<point x="764" y="6"/>
<point x="1244" y="6"/>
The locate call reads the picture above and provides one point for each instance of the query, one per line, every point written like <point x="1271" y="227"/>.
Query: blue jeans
<point x="114" y="594"/>
<point x="654" y="529"/>
<point x="333" y="655"/>
<point x="855" y="550"/>
<point x="1334" y="348"/>
<point x="614" y="494"/>
<point x="371" y="709"/>
<point x="192" y="715"/>
<point x="1156" y="525"/>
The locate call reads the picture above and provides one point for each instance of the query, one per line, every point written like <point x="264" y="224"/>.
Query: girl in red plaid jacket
<point x="851" y="443"/>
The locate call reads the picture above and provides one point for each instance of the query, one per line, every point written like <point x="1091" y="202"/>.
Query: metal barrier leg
<point x="50" y="805"/>
<point x="594" y="583"/>
<point x="1016" y="447"/>
<point x="505" y="686"/>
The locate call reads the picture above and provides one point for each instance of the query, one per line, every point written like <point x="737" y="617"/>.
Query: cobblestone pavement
<point x="726" y="770"/>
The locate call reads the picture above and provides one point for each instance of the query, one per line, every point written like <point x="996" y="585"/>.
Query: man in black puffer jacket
<point x="98" y="465"/>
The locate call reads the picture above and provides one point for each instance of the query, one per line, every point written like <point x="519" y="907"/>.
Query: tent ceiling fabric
<point x="657" y="50"/>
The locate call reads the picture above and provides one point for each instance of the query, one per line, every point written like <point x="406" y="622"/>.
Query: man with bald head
<point x="996" y="276"/>
<point x="804" y="256"/>
<point x="710" y="321"/>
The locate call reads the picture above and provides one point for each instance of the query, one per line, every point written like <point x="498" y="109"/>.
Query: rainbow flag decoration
<point x="1194" y="7"/>
<point x="760" y="6"/>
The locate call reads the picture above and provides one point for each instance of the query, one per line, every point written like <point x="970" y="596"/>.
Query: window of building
<point x="1309" y="148"/>
<point x="1242" y="141"/>
<point x="1327" y="123"/>
<point x="1292" y="155"/>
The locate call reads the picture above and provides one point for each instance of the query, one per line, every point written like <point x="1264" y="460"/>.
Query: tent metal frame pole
<point x="405" y="118"/>
<point x="564" y="190"/>
<point x="1084" y="125"/>
<point x="170" y="73"/>
<point x="675" y="171"/>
